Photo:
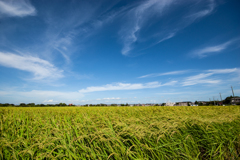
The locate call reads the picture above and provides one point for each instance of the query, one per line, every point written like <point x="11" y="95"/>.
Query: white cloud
<point x="50" y="101"/>
<point x="170" y="93"/>
<point x="207" y="51"/>
<point x="139" y="18"/>
<point x="224" y="71"/>
<point x="203" y="78"/>
<point x="16" y="8"/>
<point x="204" y="12"/>
<point x="42" y="96"/>
<point x="125" y="86"/>
<point x="112" y="98"/>
<point x="3" y="93"/>
<point x="166" y="38"/>
<point x="199" y="79"/>
<point x="41" y="69"/>
<point x="163" y="74"/>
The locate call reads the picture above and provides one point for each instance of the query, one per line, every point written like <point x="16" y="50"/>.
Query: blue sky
<point x="112" y="51"/>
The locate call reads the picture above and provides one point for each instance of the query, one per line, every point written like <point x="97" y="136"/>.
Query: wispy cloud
<point x="164" y="74"/>
<point x="58" y="95"/>
<point x="207" y="51"/>
<point x="68" y="31"/>
<point x="40" y="68"/>
<point x="125" y="86"/>
<point x="19" y="8"/>
<point x="138" y="16"/>
<point x="170" y="93"/>
<point x="209" y="9"/>
<point x="150" y="13"/>
<point x="215" y="49"/>
<point x="223" y="71"/>
<point x="112" y="98"/>
<point x="48" y="101"/>
<point x="199" y="79"/>
<point x="40" y="96"/>
<point x="204" y="78"/>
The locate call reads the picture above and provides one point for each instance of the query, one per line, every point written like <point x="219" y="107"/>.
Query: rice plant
<point x="204" y="132"/>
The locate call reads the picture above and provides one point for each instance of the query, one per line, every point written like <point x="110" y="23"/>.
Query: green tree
<point x="227" y="100"/>
<point x="22" y="104"/>
<point x="6" y="104"/>
<point x="62" y="104"/>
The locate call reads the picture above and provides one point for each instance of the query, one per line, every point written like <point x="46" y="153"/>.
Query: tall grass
<point x="120" y="133"/>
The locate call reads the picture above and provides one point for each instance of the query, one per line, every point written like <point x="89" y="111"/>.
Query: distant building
<point x="184" y="103"/>
<point x="181" y="104"/>
<point x="149" y="104"/>
<point x="235" y="100"/>
<point x="170" y="104"/>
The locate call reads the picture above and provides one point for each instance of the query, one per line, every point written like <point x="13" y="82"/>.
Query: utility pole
<point x="232" y="91"/>
<point x="213" y="100"/>
<point x="220" y="96"/>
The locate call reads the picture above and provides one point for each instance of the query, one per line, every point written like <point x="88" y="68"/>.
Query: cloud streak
<point x="210" y="50"/>
<point x="204" y="78"/>
<point x="139" y="16"/>
<point x="113" y="98"/>
<point x="152" y="16"/>
<point x="164" y="74"/>
<point x="208" y="10"/>
<point x="19" y="8"/>
<point x="41" y="69"/>
<point x="199" y="79"/>
<point x="125" y="86"/>
<point x="40" y="96"/>
<point x="223" y="71"/>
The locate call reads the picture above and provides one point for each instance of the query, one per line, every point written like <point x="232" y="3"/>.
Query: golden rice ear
<point x="120" y="133"/>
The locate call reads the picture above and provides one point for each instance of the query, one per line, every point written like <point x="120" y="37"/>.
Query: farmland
<point x="203" y="132"/>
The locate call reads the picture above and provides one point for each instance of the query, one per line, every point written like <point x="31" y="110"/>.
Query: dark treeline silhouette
<point x="35" y="105"/>
<point x="226" y="101"/>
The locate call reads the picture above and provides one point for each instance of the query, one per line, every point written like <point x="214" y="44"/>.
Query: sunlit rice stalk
<point x="204" y="132"/>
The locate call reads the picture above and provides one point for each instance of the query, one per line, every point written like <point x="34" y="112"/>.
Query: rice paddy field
<point x="203" y="132"/>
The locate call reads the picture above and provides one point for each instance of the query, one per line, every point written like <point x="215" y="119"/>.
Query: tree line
<point x="35" y="105"/>
<point x="226" y="101"/>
